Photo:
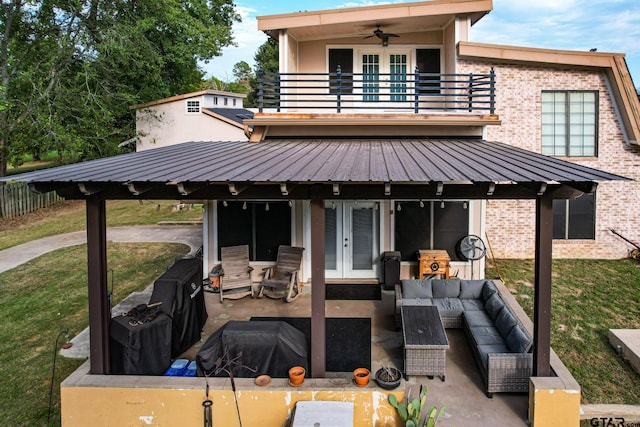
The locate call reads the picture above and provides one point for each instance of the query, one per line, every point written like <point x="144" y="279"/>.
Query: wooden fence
<point x="16" y="199"/>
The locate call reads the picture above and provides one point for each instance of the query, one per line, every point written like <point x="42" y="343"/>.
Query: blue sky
<point x="608" y="25"/>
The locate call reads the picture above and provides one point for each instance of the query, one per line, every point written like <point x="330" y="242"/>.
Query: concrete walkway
<point x="190" y="235"/>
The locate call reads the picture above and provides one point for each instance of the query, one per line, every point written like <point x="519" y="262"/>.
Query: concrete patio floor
<point x="462" y="393"/>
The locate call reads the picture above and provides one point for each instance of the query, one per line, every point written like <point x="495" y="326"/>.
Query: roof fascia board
<point x="187" y="96"/>
<point x="613" y="64"/>
<point x="382" y="12"/>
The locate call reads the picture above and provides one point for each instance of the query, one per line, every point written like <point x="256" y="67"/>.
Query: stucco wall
<point x="169" y="124"/>
<point x="510" y="224"/>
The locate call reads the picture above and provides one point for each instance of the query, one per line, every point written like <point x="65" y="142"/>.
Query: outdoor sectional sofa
<point x="501" y="345"/>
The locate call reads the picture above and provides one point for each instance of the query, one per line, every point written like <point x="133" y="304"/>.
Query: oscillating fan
<point x="472" y="248"/>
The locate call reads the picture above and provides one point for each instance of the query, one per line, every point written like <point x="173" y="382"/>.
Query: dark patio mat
<point x="352" y="292"/>
<point x="348" y="340"/>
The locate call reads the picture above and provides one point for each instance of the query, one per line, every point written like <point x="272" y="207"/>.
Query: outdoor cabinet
<point x="391" y="268"/>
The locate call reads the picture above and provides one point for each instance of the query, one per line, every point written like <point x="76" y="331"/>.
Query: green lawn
<point x="71" y="216"/>
<point x="40" y="299"/>
<point x="589" y="297"/>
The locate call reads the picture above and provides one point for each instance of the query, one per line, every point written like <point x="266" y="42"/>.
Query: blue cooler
<point x="177" y="368"/>
<point x="191" y="369"/>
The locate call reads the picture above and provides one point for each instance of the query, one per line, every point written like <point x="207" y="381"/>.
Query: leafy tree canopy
<point x="69" y="70"/>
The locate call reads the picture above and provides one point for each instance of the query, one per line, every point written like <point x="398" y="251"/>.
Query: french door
<point x="351" y="240"/>
<point x="384" y="75"/>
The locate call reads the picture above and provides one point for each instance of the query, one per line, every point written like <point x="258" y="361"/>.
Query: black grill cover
<point x="180" y="290"/>
<point x="141" y="349"/>
<point x="270" y="347"/>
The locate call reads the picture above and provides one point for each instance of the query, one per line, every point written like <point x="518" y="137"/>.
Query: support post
<point x="99" y="309"/>
<point x="542" y="280"/>
<point x="318" y="316"/>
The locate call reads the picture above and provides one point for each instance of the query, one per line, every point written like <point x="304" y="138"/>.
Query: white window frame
<point x="193" y="106"/>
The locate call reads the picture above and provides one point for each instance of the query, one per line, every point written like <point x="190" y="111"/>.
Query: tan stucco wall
<point x="169" y="124"/>
<point x="510" y="224"/>
<point x="170" y="401"/>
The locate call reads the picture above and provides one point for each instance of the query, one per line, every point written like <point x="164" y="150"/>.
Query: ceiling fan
<point x="382" y="36"/>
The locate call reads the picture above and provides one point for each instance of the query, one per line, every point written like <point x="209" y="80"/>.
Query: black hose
<point x="53" y="370"/>
<point x="206" y="405"/>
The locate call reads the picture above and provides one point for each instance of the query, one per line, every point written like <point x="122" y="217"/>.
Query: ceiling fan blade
<point x="391" y="35"/>
<point x="368" y="37"/>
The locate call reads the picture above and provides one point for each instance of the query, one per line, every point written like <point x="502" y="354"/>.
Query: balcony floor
<point x="462" y="393"/>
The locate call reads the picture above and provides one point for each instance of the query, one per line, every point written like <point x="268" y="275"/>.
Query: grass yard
<point x="71" y="216"/>
<point x="46" y="296"/>
<point x="589" y="297"/>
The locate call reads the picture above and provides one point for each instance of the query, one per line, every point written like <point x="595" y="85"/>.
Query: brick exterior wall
<point x="510" y="224"/>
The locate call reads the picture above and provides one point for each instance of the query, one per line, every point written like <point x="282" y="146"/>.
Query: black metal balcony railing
<point x="416" y="92"/>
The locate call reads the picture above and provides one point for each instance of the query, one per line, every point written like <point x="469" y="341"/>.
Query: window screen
<point x="574" y="219"/>
<point x="428" y="61"/>
<point x="569" y="123"/>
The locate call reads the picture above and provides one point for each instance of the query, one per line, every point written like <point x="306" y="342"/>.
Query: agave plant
<point x="411" y="410"/>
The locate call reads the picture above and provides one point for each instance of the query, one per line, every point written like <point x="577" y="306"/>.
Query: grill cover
<point x="270" y="347"/>
<point x="180" y="290"/>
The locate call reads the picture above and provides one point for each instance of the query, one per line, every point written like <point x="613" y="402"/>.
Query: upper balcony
<point x="341" y="99"/>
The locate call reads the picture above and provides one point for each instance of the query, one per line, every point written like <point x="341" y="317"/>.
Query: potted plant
<point x="388" y="377"/>
<point x="361" y="376"/>
<point x="296" y="376"/>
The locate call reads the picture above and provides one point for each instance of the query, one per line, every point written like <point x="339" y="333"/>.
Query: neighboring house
<point x="207" y="115"/>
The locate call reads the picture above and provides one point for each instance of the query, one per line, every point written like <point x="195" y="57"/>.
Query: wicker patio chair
<point x="235" y="282"/>
<point x="281" y="280"/>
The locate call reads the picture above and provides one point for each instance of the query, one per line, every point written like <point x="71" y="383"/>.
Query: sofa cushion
<point x="485" y="350"/>
<point x="472" y="304"/>
<point x="471" y="289"/>
<point x="477" y="318"/>
<point x="493" y="306"/>
<point x="417" y="301"/>
<point x="416" y="288"/>
<point x="484" y="335"/>
<point x="518" y="341"/>
<point x="488" y="289"/>
<point x="505" y="321"/>
<point x="449" y="288"/>
<point x="449" y="307"/>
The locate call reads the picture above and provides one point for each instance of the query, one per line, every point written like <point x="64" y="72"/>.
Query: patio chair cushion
<point x="488" y="289"/>
<point x="471" y="289"/>
<point x="417" y="301"/>
<point x="477" y="318"/>
<point x="505" y="322"/>
<point x="449" y="288"/>
<point x="493" y="306"/>
<point x="518" y="341"/>
<point x="449" y="307"/>
<point x="486" y="335"/>
<point x="486" y="349"/>
<point x="416" y="288"/>
<point x="472" y="304"/>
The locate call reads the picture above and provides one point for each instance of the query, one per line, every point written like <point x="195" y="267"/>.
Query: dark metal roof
<point x="486" y="169"/>
<point x="235" y="114"/>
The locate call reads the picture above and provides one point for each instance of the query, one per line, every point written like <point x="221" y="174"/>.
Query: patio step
<point x="626" y="342"/>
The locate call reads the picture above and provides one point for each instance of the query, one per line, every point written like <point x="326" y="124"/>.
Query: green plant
<point x="411" y="410"/>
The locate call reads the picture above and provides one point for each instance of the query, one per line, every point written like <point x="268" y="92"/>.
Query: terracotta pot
<point x="361" y="376"/>
<point x="296" y="376"/>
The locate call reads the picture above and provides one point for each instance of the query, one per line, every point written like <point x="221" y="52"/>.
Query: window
<point x="569" y="123"/>
<point x="234" y="102"/>
<point x="250" y="223"/>
<point x="575" y="219"/>
<point x="430" y="227"/>
<point x="215" y="100"/>
<point x="428" y="62"/>
<point x="344" y="59"/>
<point x="193" y="107"/>
<point x="226" y="101"/>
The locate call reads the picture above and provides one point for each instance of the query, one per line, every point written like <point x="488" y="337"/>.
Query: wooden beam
<point x="318" y="316"/>
<point x="99" y="310"/>
<point x="542" y="283"/>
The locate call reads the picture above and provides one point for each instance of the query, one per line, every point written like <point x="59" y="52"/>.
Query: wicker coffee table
<point x="425" y="341"/>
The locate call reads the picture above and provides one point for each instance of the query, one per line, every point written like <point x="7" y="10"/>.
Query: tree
<point x="267" y="60"/>
<point x="242" y="71"/>
<point x="70" y="70"/>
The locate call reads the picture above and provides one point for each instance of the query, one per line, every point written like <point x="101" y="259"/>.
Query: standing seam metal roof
<point x="327" y="160"/>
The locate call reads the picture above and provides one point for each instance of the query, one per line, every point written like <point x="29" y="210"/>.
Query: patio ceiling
<point x="327" y="168"/>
